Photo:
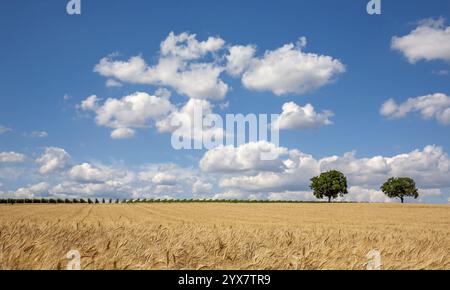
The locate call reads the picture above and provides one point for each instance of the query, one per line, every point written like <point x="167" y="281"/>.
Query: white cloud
<point x="361" y="194"/>
<point x="246" y="157"/>
<point x="123" y="133"/>
<point x="171" y="180"/>
<point x="430" y="40"/>
<point x="425" y="194"/>
<point x="95" y="180"/>
<point x="239" y="58"/>
<point x="186" y="46"/>
<point x="290" y="70"/>
<point x="175" y="68"/>
<point x="31" y="191"/>
<point x="111" y="83"/>
<point x="182" y="120"/>
<point x="108" y="189"/>
<point x="11" y="157"/>
<point x="430" y="106"/>
<point x="53" y="159"/>
<point x="135" y="70"/>
<point x="4" y="130"/>
<point x="132" y="111"/>
<point x="90" y="103"/>
<point x="298" y="117"/>
<point x="163" y="178"/>
<point x="193" y="68"/>
<point x="88" y="173"/>
<point x="201" y="187"/>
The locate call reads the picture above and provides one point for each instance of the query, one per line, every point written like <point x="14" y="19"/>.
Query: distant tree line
<point x="55" y="201"/>
<point x="328" y="185"/>
<point x="130" y="201"/>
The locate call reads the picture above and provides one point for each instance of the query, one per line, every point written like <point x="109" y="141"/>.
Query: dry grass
<point x="230" y="236"/>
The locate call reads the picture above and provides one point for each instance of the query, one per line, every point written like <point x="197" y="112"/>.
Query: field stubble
<point x="225" y="236"/>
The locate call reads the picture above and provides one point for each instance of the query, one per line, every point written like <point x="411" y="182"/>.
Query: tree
<point x="331" y="184"/>
<point x="400" y="187"/>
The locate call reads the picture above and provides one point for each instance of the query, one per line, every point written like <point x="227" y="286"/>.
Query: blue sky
<point x="47" y="55"/>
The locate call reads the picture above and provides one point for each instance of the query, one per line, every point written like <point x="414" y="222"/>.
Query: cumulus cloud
<point x="239" y="58"/>
<point x="163" y="178"/>
<point x="246" y="157"/>
<point x="194" y="68"/>
<point x="290" y="70"/>
<point x="32" y="191"/>
<point x="52" y="160"/>
<point x="90" y="103"/>
<point x="297" y="117"/>
<point x="107" y="189"/>
<point x="95" y="180"/>
<point x="202" y="187"/>
<point x="111" y="83"/>
<point x="430" y="106"/>
<point x="170" y="181"/>
<point x="430" y="40"/>
<point x="132" y="111"/>
<point x="123" y="133"/>
<point x="190" y="122"/>
<point x="88" y="173"/>
<point x="11" y="157"/>
<point x="178" y="67"/>
<point x="186" y="46"/>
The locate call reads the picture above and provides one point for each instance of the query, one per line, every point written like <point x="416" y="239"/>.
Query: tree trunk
<point x="329" y="199"/>
<point x="401" y="198"/>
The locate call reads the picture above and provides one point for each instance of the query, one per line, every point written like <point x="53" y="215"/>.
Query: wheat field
<point x="225" y="236"/>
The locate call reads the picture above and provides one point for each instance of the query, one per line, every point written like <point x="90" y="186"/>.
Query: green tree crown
<point x="400" y="187"/>
<point x="331" y="184"/>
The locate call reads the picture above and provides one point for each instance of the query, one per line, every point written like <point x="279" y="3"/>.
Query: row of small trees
<point x="54" y="201"/>
<point x="117" y="201"/>
<point x="333" y="184"/>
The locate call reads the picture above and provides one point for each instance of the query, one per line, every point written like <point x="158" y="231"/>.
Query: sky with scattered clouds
<point x="88" y="102"/>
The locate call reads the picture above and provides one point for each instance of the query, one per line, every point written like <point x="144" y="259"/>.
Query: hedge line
<point x="102" y="201"/>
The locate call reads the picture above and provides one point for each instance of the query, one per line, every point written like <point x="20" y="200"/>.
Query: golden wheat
<point x="225" y="236"/>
